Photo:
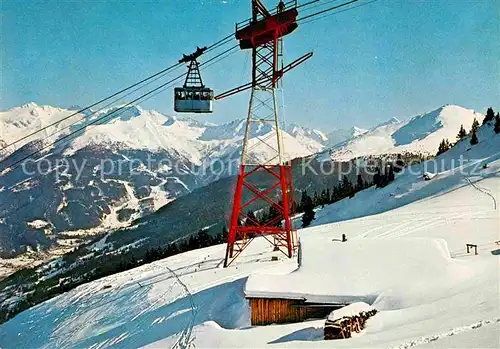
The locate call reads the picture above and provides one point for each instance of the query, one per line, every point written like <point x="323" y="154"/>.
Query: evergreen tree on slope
<point x="490" y="115"/>
<point x="462" y="133"/>
<point x="309" y="214"/>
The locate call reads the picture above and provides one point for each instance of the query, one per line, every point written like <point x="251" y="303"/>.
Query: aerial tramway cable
<point x="162" y="87"/>
<point x="337" y="12"/>
<point x="327" y="10"/>
<point x="157" y="75"/>
<point x="121" y="109"/>
<point x="323" y="3"/>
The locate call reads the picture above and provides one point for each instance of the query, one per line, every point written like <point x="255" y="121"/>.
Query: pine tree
<point x="490" y="115"/>
<point x="224" y="235"/>
<point x="251" y="219"/>
<point x="300" y="207"/>
<point x="377" y="177"/>
<point x="473" y="138"/>
<point x="497" y="123"/>
<point x="443" y="146"/>
<point x="147" y="257"/>
<point x="400" y="164"/>
<point x="475" y="126"/>
<point x="274" y="214"/>
<point x="323" y="198"/>
<point x="335" y="194"/>
<point x="347" y="188"/>
<point x="309" y="214"/>
<point x="462" y="133"/>
<point x="440" y="148"/>
<point x="390" y="174"/>
<point x="359" y="183"/>
<point x="315" y="199"/>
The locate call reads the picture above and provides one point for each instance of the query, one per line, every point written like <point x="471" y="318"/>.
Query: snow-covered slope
<point x="338" y="136"/>
<point x="420" y="134"/>
<point x="312" y="139"/>
<point x="316" y="140"/>
<point x="188" y="299"/>
<point x="456" y="167"/>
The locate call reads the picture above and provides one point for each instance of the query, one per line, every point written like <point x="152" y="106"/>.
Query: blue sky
<point x="390" y="58"/>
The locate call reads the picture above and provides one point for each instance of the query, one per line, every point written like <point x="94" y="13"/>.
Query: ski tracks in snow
<point x="453" y="331"/>
<point x="484" y="191"/>
<point x="399" y="229"/>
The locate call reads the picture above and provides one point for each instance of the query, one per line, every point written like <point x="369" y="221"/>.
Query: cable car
<point x="193" y="96"/>
<point x="193" y="99"/>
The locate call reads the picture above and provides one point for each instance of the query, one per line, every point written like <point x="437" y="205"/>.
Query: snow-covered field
<point x="406" y="251"/>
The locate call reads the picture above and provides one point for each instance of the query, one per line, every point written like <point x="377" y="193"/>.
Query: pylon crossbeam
<point x="265" y="192"/>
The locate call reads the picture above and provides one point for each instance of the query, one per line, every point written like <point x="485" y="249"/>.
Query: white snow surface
<point x="349" y="310"/>
<point x="420" y="134"/>
<point x="19" y="122"/>
<point x="406" y="250"/>
<point x="359" y="270"/>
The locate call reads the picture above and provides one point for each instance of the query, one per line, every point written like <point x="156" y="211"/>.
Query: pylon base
<point x="277" y="227"/>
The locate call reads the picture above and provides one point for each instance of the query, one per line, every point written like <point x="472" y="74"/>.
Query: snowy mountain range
<point x="118" y="171"/>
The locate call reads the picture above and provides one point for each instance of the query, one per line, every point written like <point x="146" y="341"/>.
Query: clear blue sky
<point x="390" y="58"/>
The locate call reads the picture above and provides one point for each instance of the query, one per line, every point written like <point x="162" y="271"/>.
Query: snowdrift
<point x="360" y="270"/>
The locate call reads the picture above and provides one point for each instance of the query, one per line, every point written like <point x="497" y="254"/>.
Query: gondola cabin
<point x="193" y="99"/>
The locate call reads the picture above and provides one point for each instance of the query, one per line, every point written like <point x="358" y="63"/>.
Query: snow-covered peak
<point x="297" y="130"/>
<point x="356" y="131"/>
<point x="448" y="117"/>
<point x="420" y="134"/>
<point x="312" y="139"/>
<point x="340" y="136"/>
<point x="19" y="122"/>
<point x="391" y="121"/>
<point x="28" y="105"/>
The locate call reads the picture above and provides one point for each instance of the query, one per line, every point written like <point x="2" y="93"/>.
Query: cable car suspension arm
<point x="277" y="75"/>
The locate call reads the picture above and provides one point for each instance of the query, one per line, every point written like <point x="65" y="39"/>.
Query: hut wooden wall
<point x="267" y="311"/>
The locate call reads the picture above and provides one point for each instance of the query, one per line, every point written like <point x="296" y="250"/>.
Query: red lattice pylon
<point x="265" y="177"/>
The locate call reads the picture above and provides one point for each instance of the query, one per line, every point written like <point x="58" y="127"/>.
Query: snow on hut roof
<point x="333" y="272"/>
